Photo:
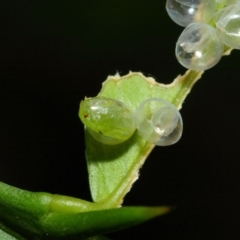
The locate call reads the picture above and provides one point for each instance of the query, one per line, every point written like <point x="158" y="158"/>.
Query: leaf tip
<point x="158" y="211"/>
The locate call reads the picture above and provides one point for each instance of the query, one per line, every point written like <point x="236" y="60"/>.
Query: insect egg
<point x="107" y="120"/>
<point x="199" y="47"/>
<point x="184" y="12"/>
<point x="159" y="122"/>
<point x="226" y="2"/>
<point x="228" y="25"/>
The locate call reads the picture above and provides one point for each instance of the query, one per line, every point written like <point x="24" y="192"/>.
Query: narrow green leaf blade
<point x="28" y="215"/>
<point x="83" y="225"/>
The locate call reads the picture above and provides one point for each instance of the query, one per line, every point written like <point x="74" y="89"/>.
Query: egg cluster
<point x="210" y="26"/>
<point x="111" y="122"/>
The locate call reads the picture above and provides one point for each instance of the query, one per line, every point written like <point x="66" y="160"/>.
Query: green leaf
<point x="28" y="215"/>
<point x="83" y="225"/>
<point x="114" y="168"/>
<point x="8" y="232"/>
<point x="5" y="236"/>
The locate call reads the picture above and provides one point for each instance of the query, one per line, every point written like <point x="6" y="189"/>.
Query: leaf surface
<point x="114" y="168"/>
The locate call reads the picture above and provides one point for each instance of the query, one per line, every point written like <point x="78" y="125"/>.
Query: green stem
<point x="185" y="83"/>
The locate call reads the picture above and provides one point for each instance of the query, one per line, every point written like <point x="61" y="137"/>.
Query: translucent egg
<point x="228" y="25"/>
<point x="107" y="120"/>
<point x="184" y="12"/>
<point x="227" y="2"/>
<point x="199" y="47"/>
<point x="159" y="122"/>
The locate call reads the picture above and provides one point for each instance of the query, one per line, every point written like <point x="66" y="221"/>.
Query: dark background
<point x="53" y="53"/>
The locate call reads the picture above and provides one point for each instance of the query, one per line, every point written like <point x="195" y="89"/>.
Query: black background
<point x="53" y="53"/>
